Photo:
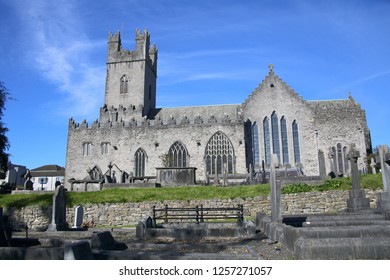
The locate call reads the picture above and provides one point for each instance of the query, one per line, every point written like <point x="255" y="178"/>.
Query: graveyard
<point x="231" y="229"/>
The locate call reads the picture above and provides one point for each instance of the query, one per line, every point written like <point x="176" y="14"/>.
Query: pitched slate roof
<point x="50" y="170"/>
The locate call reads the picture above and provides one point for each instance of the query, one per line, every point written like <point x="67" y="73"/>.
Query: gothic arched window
<point x="267" y="144"/>
<point x="255" y="145"/>
<point x="139" y="163"/>
<point x="283" y="127"/>
<point x="96" y="173"/>
<point x="178" y="155"/>
<point x="124" y="85"/>
<point x="275" y="134"/>
<point x="297" y="153"/>
<point x="219" y="153"/>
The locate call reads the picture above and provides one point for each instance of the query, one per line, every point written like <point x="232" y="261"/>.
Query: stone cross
<point x="357" y="200"/>
<point x="373" y="164"/>
<point x="276" y="192"/>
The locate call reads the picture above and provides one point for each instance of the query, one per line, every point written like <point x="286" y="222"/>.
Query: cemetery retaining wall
<point x="127" y="214"/>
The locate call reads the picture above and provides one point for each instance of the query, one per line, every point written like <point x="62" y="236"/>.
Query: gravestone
<point x="58" y="222"/>
<point x="321" y="164"/>
<point x="78" y="217"/>
<point x="373" y="165"/>
<point x="357" y="199"/>
<point x="28" y="184"/>
<point x="275" y="183"/>
<point x="384" y="197"/>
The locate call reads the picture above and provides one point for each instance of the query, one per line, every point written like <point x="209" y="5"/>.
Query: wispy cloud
<point x="61" y="52"/>
<point x="363" y="80"/>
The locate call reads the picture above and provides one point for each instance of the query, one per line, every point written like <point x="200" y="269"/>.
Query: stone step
<point x="291" y="234"/>
<point x="334" y="223"/>
<point x="342" y="248"/>
<point x="345" y="216"/>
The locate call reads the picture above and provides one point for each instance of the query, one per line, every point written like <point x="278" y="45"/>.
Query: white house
<point x="45" y="177"/>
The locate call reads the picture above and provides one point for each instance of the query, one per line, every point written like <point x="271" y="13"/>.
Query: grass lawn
<point x="182" y="193"/>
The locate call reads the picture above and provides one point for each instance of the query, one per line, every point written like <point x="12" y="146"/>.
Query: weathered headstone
<point x="28" y="184"/>
<point x="275" y="183"/>
<point x="357" y="199"/>
<point x="58" y="221"/>
<point x="78" y="217"/>
<point x="225" y="180"/>
<point x="373" y="165"/>
<point x="216" y="179"/>
<point x="384" y="197"/>
<point x="321" y="164"/>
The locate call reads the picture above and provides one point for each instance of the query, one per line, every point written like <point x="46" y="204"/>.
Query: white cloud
<point x="61" y="52"/>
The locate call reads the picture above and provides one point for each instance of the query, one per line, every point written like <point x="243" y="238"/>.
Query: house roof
<point x="50" y="170"/>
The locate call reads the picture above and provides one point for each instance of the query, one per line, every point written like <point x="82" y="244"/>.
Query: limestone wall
<point x="125" y="214"/>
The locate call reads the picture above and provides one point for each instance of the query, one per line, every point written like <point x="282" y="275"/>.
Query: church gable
<point x="273" y="94"/>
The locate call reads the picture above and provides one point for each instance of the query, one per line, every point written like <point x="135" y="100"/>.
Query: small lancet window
<point x="124" y="85"/>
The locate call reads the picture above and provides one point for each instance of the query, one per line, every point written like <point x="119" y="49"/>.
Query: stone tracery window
<point x="178" y="155"/>
<point x="275" y="134"/>
<point x="255" y="145"/>
<point x="219" y="152"/>
<point x="297" y="153"/>
<point x="267" y="142"/>
<point x="96" y="173"/>
<point x="139" y="162"/>
<point x="124" y="85"/>
<point x="283" y="127"/>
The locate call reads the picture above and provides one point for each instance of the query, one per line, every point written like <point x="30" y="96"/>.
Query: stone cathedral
<point x="133" y="138"/>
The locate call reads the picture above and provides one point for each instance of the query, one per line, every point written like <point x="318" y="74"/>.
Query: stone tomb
<point x="356" y="233"/>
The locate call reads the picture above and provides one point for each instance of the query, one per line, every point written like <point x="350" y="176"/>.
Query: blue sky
<point x="210" y="52"/>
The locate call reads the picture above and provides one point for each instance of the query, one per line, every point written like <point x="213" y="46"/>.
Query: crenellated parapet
<point x="136" y="121"/>
<point x="142" y="51"/>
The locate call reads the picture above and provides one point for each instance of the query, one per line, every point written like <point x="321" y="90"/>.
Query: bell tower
<point x="131" y="75"/>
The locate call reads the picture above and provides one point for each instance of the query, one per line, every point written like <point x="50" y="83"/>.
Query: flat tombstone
<point x="78" y="217"/>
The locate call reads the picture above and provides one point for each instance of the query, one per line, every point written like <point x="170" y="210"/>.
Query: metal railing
<point x="198" y="214"/>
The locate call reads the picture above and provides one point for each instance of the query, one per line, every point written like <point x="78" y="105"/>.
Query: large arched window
<point x="275" y="134"/>
<point x="219" y="153"/>
<point x="267" y="144"/>
<point x="283" y="127"/>
<point x="139" y="163"/>
<point x="124" y="85"/>
<point x="255" y="145"/>
<point x="297" y="153"/>
<point x="178" y="155"/>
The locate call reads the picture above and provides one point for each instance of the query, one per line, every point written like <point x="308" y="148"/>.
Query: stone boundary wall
<point x="126" y="214"/>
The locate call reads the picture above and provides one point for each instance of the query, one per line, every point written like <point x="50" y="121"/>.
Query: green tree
<point x="4" y="144"/>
